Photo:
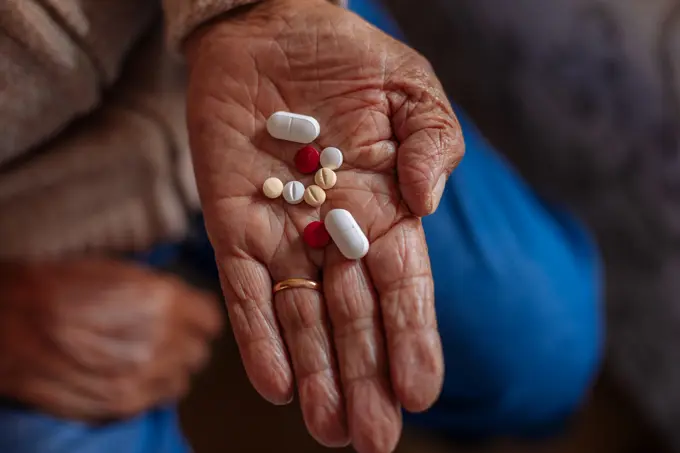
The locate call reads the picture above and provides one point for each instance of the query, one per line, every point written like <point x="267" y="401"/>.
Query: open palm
<point x="368" y="343"/>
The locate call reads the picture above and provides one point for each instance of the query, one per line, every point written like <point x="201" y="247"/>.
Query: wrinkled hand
<point x="369" y="343"/>
<point x="96" y="340"/>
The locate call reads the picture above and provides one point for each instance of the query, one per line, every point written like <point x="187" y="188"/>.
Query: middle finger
<point x="373" y="411"/>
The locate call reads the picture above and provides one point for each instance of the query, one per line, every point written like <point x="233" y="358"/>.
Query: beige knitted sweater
<point x="93" y="149"/>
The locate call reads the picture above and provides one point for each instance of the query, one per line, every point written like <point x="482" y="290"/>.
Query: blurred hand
<point x="369" y="343"/>
<point x="95" y="339"/>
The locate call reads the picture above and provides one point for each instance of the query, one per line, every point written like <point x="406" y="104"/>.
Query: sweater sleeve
<point x="184" y="16"/>
<point x="56" y="59"/>
<point x="120" y="181"/>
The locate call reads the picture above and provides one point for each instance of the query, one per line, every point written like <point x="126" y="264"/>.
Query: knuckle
<point x="404" y="312"/>
<point x="119" y="393"/>
<point x="421" y="61"/>
<point x="452" y="146"/>
<point x="297" y="311"/>
<point x="123" y="407"/>
<point x="123" y="397"/>
<point x="457" y="140"/>
<point x="419" y="176"/>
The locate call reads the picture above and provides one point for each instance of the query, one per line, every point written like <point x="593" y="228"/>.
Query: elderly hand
<point x="96" y="340"/>
<point x="368" y="343"/>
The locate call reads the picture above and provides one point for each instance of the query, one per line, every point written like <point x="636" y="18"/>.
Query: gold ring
<point x="296" y="283"/>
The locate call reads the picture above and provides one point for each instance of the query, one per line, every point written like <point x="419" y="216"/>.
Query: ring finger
<point x="304" y="322"/>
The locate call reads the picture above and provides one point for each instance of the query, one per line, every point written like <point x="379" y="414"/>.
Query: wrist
<point x="185" y="19"/>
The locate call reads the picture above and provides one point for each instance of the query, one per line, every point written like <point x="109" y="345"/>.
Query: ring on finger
<point x="291" y="283"/>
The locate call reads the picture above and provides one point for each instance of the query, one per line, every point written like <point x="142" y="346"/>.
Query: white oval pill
<point x="346" y="233"/>
<point x="331" y="158"/>
<point x="293" y="192"/>
<point x="293" y="127"/>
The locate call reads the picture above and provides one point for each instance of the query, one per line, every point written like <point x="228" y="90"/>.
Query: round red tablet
<point x="307" y="160"/>
<point x="315" y="235"/>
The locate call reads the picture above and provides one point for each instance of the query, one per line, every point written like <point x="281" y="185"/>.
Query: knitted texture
<point x="118" y="180"/>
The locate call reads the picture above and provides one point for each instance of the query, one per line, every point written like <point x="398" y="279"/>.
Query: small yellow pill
<point x="315" y="196"/>
<point x="272" y="188"/>
<point x="325" y="178"/>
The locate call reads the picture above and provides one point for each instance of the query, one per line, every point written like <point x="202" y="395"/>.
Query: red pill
<point x="315" y="235"/>
<point x="307" y="160"/>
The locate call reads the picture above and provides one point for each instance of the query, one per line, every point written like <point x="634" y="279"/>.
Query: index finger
<point x="399" y="265"/>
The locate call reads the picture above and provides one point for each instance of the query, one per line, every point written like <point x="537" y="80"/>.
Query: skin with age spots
<point x="368" y="343"/>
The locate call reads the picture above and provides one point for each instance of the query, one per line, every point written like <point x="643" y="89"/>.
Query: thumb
<point x="430" y="138"/>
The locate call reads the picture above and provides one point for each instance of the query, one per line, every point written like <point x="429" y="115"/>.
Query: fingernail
<point x="437" y="192"/>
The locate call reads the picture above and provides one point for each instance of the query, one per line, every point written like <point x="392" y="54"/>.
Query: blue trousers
<point x="518" y="289"/>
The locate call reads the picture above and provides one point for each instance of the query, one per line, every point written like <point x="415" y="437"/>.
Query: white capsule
<point x="331" y="158"/>
<point x="293" y="192"/>
<point x="346" y="233"/>
<point x="293" y="127"/>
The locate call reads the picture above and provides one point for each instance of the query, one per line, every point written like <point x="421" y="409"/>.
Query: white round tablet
<point x="294" y="192"/>
<point x="331" y="158"/>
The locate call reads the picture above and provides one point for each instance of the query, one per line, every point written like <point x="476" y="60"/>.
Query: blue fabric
<point x="518" y="292"/>
<point x="518" y="287"/>
<point x="25" y="431"/>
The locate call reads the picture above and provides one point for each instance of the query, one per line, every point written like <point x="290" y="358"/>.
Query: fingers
<point x="373" y="412"/>
<point x="431" y="141"/>
<point x="198" y="311"/>
<point x="399" y="266"/>
<point x="162" y="388"/>
<point x="303" y="319"/>
<point x="191" y="354"/>
<point x="248" y="292"/>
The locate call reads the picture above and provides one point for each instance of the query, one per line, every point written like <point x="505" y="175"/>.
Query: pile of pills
<point x="307" y="160"/>
<point x="339" y="224"/>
